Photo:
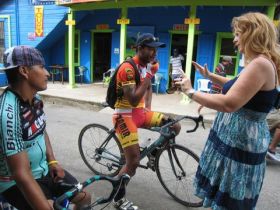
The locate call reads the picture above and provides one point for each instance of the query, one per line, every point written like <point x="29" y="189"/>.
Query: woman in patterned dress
<point x="232" y="164"/>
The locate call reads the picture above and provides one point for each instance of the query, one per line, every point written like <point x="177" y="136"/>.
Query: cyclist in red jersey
<point x="133" y="109"/>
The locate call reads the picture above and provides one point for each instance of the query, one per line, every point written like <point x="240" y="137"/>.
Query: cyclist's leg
<point x="272" y="153"/>
<point x="14" y="196"/>
<point x="176" y="127"/>
<point x="126" y="131"/>
<point x="156" y="119"/>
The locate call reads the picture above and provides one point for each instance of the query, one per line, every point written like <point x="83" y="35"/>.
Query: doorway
<point x="102" y="43"/>
<point x="179" y="42"/>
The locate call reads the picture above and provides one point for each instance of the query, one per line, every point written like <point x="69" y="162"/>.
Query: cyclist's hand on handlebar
<point x="56" y="172"/>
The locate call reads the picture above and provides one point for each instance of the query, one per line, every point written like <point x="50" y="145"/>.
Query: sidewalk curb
<point x="91" y="105"/>
<point x="98" y="106"/>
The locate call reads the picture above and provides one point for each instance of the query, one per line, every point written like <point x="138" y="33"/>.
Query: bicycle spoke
<point x="177" y="177"/>
<point x="103" y="160"/>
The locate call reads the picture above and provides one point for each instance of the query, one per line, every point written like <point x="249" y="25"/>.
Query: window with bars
<point x="2" y="41"/>
<point x="76" y="48"/>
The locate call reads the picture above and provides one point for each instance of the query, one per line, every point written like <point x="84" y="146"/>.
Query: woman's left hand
<point x="184" y="83"/>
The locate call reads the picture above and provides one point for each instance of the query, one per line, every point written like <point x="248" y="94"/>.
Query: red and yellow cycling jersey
<point x="127" y="118"/>
<point x="126" y="76"/>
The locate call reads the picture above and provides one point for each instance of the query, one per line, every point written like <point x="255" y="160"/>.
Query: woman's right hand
<point x="202" y="70"/>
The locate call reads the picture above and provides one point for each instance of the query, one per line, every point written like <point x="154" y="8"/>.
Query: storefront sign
<point x="76" y="1"/>
<point x="39" y="21"/>
<point x="192" y="21"/>
<point x="102" y="26"/>
<point x="124" y="21"/>
<point x="42" y="2"/>
<point x="180" y="27"/>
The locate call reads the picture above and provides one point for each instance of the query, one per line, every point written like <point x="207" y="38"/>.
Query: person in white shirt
<point x="176" y="68"/>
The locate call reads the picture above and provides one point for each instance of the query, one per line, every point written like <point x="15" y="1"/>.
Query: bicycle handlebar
<point x="116" y="182"/>
<point x="197" y="120"/>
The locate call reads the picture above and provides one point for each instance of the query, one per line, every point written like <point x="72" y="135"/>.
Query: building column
<point x="271" y="12"/>
<point x="123" y="35"/>
<point x="190" y="44"/>
<point x="71" y="35"/>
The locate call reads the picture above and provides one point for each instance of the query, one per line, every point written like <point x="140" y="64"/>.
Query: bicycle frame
<point x="157" y="143"/>
<point x="101" y="149"/>
<point x="166" y="135"/>
<point x="162" y="152"/>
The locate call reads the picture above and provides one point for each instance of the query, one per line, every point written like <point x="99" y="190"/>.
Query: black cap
<point x="149" y="40"/>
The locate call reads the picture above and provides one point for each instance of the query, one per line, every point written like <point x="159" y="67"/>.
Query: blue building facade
<point x="97" y="34"/>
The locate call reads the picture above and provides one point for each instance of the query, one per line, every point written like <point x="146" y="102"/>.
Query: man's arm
<point x="148" y="98"/>
<point x="218" y="77"/>
<point x="20" y="169"/>
<point x="49" y="154"/>
<point x="17" y="158"/>
<point x="182" y="58"/>
<point x="55" y="170"/>
<point x="127" y="76"/>
<point x="135" y="94"/>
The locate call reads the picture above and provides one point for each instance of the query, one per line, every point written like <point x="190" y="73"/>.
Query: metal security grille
<point x="2" y="41"/>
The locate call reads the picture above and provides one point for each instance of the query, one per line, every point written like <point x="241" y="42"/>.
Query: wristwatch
<point x="190" y="93"/>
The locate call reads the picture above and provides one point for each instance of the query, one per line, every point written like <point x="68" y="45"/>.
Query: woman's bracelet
<point x="52" y="162"/>
<point x="190" y="93"/>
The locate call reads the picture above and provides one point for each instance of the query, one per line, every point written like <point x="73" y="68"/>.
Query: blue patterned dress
<point x="232" y="165"/>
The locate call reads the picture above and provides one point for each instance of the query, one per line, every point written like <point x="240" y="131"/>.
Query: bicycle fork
<point x="172" y="155"/>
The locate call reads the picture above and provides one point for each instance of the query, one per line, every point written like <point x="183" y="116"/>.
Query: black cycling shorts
<point x="14" y="196"/>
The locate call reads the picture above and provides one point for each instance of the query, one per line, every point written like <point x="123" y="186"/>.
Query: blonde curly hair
<point x="258" y="36"/>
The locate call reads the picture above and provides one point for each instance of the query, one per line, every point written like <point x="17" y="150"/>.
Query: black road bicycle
<point x="174" y="164"/>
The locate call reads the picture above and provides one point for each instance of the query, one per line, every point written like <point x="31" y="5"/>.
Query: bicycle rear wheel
<point x="102" y="155"/>
<point x="179" y="182"/>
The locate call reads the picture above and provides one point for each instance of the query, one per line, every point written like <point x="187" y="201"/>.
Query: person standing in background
<point x="175" y="69"/>
<point x="220" y="70"/>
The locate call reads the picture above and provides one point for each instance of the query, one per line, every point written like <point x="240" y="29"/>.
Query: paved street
<point x="64" y="125"/>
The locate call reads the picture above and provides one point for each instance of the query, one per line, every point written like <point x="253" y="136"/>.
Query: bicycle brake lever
<point x="202" y="123"/>
<point x="200" y="118"/>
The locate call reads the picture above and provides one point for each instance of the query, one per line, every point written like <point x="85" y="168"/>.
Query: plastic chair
<point x="107" y="76"/>
<point x="203" y="85"/>
<point x="54" y="71"/>
<point x="81" y="72"/>
<point x="157" y="80"/>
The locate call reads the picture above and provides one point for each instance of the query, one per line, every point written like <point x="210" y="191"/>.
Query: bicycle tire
<point x="183" y="184"/>
<point x="90" y="139"/>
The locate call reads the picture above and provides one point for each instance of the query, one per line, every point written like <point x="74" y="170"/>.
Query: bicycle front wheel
<point x="176" y="167"/>
<point x="101" y="153"/>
